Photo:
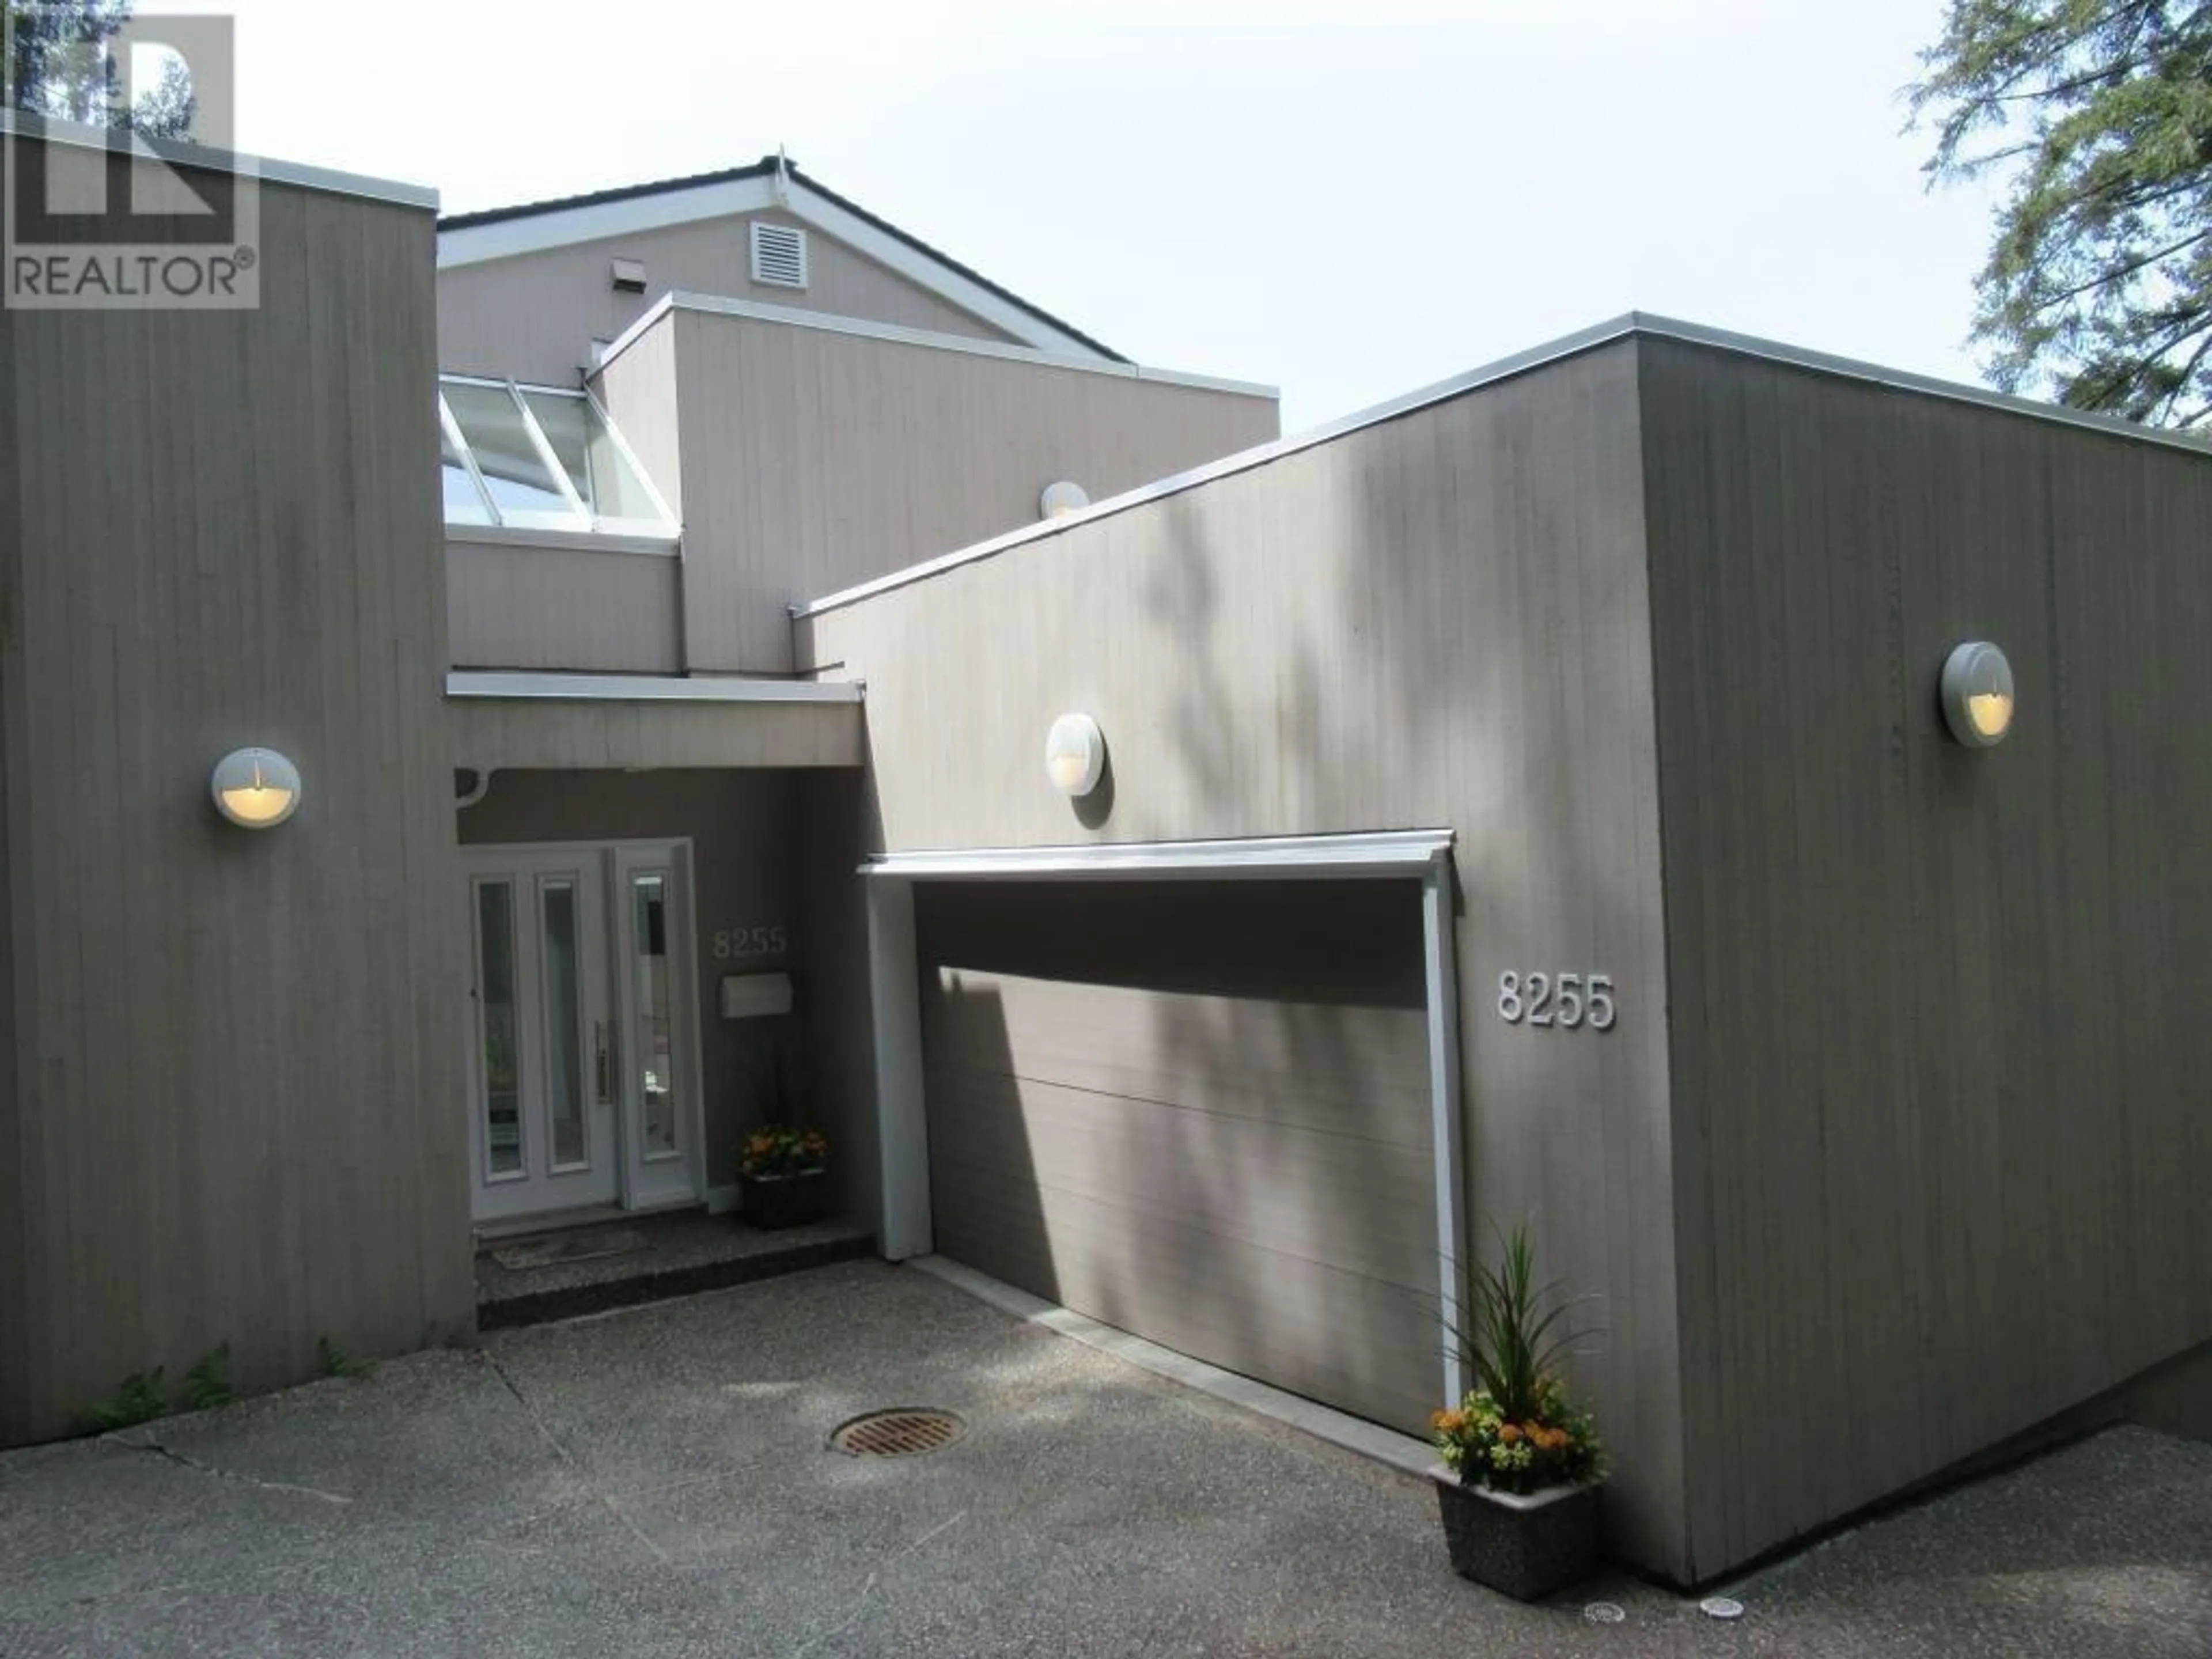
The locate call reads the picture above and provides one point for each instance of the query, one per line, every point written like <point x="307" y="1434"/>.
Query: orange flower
<point x="1507" y="1433"/>
<point x="1448" y="1422"/>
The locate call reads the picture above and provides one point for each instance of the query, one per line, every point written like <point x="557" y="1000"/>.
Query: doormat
<point x="559" y="1250"/>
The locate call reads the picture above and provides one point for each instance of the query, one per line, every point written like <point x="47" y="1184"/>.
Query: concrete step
<point x="682" y="1254"/>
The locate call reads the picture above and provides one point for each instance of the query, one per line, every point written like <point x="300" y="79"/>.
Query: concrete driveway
<point x="655" y="1482"/>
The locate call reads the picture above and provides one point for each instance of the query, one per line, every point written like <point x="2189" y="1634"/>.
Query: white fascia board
<point x="644" y="687"/>
<point x="534" y="233"/>
<point x="942" y="280"/>
<point x="668" y="546"/>
<point x="183" y="153"/>
<point x="716" y="305"/>
<point x="1381" y="853"/>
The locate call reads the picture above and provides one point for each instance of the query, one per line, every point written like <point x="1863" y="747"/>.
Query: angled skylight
<point x="541" y="458"/>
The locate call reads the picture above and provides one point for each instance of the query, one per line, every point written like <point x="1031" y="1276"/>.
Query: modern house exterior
<point x="1533" y="798"/>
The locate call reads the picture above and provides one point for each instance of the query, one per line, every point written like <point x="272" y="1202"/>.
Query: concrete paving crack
<point x="868" y="1590"/>
<point x="561" y="1450"/>
<point x="183" y="1459"/>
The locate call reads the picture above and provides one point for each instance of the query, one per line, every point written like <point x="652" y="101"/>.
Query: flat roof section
<point x="1632" y="325"/>
<point x="208" y="159"/>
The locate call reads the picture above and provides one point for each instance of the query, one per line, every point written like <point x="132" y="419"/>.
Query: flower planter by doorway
<point x="1527" y="1545"/>
<point x="787" y="1200"/>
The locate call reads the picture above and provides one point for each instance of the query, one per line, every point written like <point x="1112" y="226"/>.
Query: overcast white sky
<point x="1348" y="200"/>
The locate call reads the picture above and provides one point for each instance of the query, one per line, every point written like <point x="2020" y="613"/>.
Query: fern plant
<point x="208" y="1383"/>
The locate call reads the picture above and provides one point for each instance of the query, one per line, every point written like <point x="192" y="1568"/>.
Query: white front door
<point x="582" y="1078"/>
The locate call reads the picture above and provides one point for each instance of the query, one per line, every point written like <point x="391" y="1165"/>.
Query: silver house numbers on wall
<point x="1559" y="1002"/>
<point x="730" y="944"/>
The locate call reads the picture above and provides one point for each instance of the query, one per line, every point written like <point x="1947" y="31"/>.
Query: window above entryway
<point x="541" y="458"/>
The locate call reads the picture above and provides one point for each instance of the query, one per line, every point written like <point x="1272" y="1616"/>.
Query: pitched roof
<point x="766" y="167"/>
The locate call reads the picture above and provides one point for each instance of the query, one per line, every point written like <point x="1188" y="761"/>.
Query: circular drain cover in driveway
<point x="900" y="1431"/>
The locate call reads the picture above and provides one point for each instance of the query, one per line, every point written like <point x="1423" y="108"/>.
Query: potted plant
<point x="783" y="1176"/>
<point x="1520" y="1487"/>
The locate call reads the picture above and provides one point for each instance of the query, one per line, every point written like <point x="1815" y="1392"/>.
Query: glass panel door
<point x="562" y="989"/>
<point x="658" y="994"/>
<point x="653" y="1056"/>
<point x="542" y="1081"/>
<point x="499" y="1084"/>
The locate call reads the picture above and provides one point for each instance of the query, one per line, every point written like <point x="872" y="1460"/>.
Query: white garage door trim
<point x="902" y="1122"/>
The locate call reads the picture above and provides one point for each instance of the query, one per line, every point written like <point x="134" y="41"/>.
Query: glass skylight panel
<point x="521" y="485"/>
<point x="546" y="458"/>
<point x="587" y="447"/>
<point x="463" y="504"/>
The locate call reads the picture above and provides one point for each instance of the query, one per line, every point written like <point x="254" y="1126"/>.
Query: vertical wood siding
<point x="638" y="391"/>
<point x="1939" y="1049"/>
<point x="493" y="734"/>
<point x="563" y="608"/>
<point x="1436" y="621"/>
<point x="533" y="316"/>
<point x="814" y="460"/>
<point x="233" y="1097"/>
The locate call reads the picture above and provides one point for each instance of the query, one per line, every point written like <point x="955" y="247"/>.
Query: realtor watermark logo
<point x="108" y="213"/>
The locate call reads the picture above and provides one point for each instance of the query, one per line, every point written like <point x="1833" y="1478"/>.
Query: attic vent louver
<point x="779" y="255"/>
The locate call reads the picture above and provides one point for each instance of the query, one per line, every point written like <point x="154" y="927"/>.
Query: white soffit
<point x="534" y="233"/>
<point x="1381" y="853"/>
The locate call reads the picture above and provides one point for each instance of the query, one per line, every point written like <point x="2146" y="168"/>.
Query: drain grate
<point x="902" y="1431"/>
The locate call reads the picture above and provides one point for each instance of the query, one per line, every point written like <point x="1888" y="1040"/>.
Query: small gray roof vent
<point x="779" y="255"/>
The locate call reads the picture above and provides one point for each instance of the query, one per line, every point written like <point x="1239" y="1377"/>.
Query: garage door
<point x="1197" y="1111"/>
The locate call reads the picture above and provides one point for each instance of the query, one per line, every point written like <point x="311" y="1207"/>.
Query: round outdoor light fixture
<point x="1074" y="755"/>
<point x="1977" y="695"/>
<point x="1062" y="499"/>
<point x="256" y="788"/>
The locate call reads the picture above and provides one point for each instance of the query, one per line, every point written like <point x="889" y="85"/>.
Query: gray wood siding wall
<point x="560" y="607"/>
<point x="1436" y="621"/>
<point x="232" y="1090"/>
<point x="16" y="1106"/>
<point x="742" y="825"/>
<point x="1199" y="1112"/>
<point x="638" y="391"/>
<point x="563" y="608"/>
<point x="533" y="316"/>
<point x="832" y="989"/>
<point x="1940" y="1045"/>
<point x="813" y="460"/>
<point x="494" y="733"/>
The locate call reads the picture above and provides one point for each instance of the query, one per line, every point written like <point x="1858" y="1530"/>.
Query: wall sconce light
<point x="255" y="789"/>
<point x="1977" y="693"/>
<point x="1062" y="499"/>
<point x="1075" y="755"/>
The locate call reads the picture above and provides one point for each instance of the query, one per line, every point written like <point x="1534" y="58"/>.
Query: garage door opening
<point x="1204" y="1093"/>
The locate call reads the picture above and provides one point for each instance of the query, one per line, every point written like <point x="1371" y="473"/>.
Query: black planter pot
<point x="1527" y="1546"/>
<point x="792" y="1201"/>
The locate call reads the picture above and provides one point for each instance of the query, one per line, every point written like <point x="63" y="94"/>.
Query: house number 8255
<point x="1567" y="1001"/>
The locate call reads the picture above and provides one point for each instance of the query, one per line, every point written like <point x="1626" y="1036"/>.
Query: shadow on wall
<point x="1446" y="631"/>
<point x="1196" y="1111"/>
